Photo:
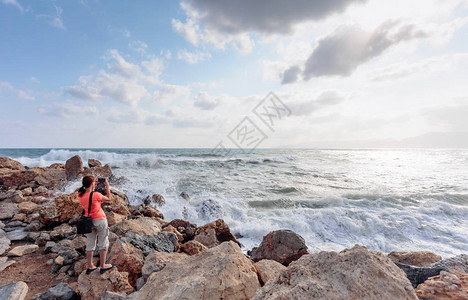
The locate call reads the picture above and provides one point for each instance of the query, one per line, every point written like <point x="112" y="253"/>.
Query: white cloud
<point x="205" y="101"/>
<point x="9" y="89"/>
<point x="15" y="3"/>
<point x="136" y="116"/>
<point x="167" y="93"/>
<point x="193" y="57"/>
<point x="68" y="110"/>
<point x="54" y="19"/>
<point x="138" y="46"/>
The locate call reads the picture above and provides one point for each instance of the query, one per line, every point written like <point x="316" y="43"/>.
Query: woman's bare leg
<point x="89" y="258"/>
<point x="102" y="259"/>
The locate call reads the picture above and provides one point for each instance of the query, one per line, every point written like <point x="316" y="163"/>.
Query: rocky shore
<point x="42" y="257"/>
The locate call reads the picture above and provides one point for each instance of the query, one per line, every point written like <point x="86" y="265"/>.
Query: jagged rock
<point x="147" y="243"/>
<point x="17" y="197"/>
<point x="268" y="269"/>
<point x="43" y="238"/>
<point x="52" y="178"/>
<point x="97" y="172"/>
<point x="113" y="218"/>
<point x="8" y="163"/>
<point x="155" y="199"/>
<point x="121" y="195"/>
<point x="61" y="209"/>
<point x="157" y="260"/>
<point x="415" y="258"/>
<point x="170" y="228"/>
<point x="355" y="273"/>
<point x="17" y="234"/>
<point x="127" y="258"/>
<point x="222" y="272"/>
<point x="22" y="250"/>
<point x="4" y="242"/>
<point x="209" y="209"/>
<point x="61" y="291"/>
<point x="14" y="291"/>
<point x="79" y="243"/>
<point x="80" y="266"/>
<point x="192" y="247"/>
<point x="48" y="246"/>
<point x="283" y="246"/>
<point x="19" y="178"/>
<point x="73" y="167"/>
<point x="147" y="211"/>
<point x="19" y="217"/>
<point x="116" y="205"/>
<point x="184" y="227"/>
<point x="418" y="275"/>
<point x="63" y="231"/>
<point x="113" y="296"/>
<point x="94" y="163"/>
<point x="28" y="207"/>
<point x="444" y="286"/>
<point x="8" y="210"/>
<point x="214" y="233"/>
<point x="93" y="286"/>
<point x="68" y="254"/>
<point x="35" y="225"/>
<point x="5" y="263"/>
<point x="27" y="191"/>
<point x="141" y="225"/>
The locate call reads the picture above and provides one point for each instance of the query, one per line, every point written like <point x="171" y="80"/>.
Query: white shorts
<point x="101" y="232"/>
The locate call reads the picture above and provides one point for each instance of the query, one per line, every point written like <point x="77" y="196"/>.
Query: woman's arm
<point x="107" y="197"/>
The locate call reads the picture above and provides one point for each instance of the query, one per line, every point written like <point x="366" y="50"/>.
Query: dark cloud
<point x="267" y="16"/>
<point x="291" y="75"/>
<point x="344" y="50"/>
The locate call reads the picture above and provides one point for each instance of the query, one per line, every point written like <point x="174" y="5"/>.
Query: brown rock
<point x="147" y="211"/>
<point x="28" y="207"/>
<point x="141" y="225"/>
<point x="8" y="163"/>
<point x="113" y="218"/>
<point x="57" y="166"/>
<point x="79" y="243"/>
<point x="104" y="172"/>
<point x="94" y="163"/>
<point x="8" y="210"/>
<point x="170" y="228"/>
<point x="156" y="261"/>
<point x="214" y="233"/>
<point x="27" y="191"/>
<point x="416" y="258"/>
<point x="92" y="286"/>
<point x="22" y="250"/>
<point x="80" y="266"/>
<point x="355" y="273"/>
<point x="222" y="272"/>
<point x="155" y="199"/>
<point x="52" y="178"/>
<point x="61" y="209"/>
<point x="445" y="286"/>
<point x="117" y="205"/>
<point x="17" y="197"/>
<point x="127" y="259"/>
<point x="61" y="232"/>
<point x="73" y="167"/>
<point x="19" y="217"/>
<point x="268" y="269"/>
<point x="283" y="246"/>
<point x="192" y="247"/>
<point x="19" y="178"/>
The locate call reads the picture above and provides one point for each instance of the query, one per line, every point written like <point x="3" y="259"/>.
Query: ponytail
<point x="87" y="181"/>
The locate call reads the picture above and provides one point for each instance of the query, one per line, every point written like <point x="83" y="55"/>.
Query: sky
<point x="222" y="74"/>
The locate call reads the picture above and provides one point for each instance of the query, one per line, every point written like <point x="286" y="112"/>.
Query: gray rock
<point x="108" y="295"/>
<point x="5" y="263"/>
<point x="35" y="225"/>
<point x="418" y="275"/>
<point x="17" y="234"/>
<point x="2" y="225"/>
<point x="48" y="247"/>
<point x="140" y="283"/>
<point x="69" y="255"/>
<point x="4" y="242"/>
<point x="22" y="250"/>
<point x="14" y="291"/>
<point x="14" y="224"/>
<point x="210" y="209"/>
<point x="185" y="196"/>
<point x="161" y="242"/>
<point x="61" y="291"/>
<point x="8" y="210"/>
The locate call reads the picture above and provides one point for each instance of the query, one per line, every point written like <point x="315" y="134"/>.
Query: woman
<point x="100" y="228"/>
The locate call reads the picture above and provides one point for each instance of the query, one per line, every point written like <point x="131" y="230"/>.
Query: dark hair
<point x="87" y="181"/>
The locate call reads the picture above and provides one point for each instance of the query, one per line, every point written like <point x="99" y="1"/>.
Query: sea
<point x="384" y="199"/>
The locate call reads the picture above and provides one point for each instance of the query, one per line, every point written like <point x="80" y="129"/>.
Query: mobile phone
<point x="100" y="186"/>
<point x="101" y="180"/>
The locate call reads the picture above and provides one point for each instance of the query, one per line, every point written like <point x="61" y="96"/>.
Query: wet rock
<point x="147" y="211"/>
<point x="141" y="225"/>
<point x="8" y="210"/>
<point x="444" y="286"/>
<point x="156" y="261"/>
<point x="52" y="178"/>
<point x="61" y="291"/>
<point x="192" y="247"/>
<point x="14" y="291"/>
<point x="147" y="243"/>
<point x="415" y="258"/>
<point x="214" y="233"/>
<point x="222" y="272"/>
<point x="283" y="246"/>
<point x="73" y="167"/>
<point x="22" y="250"/>
<point x="417" y="275"/>
<point x="355" y="273"/>
<point x="5" y="263"/>
<point x="8" y="163"/>
<point x="209" y="209"/>
<point x="94" y="163"/>
<point x="268" y="269"/>
<point x="127" y="258"/>
<point x="93" y="286"/>
<point x="185" y="196"/>
<point x="155" y="199"/>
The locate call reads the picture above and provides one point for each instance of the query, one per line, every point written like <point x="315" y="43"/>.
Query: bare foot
<point x="92" y="267"/>
<point x="106" y="266"/>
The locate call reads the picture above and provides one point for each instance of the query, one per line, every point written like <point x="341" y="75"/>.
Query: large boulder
<point x="127" y="258"/>
<point x="19" y="178"/>
<point x="184" y="227"/>
<point x="222" y="272"/>
<point x="415" y="258"/>
<point x="61" y="291"/>
<point x="14" y="291"/>
<point x="52" y="178"/>
<point x="156" y="261"/>
<point x="61" y="209"/>
<point x="97" y="172"/>
<point x="92" y="286"/>
<point x="147" y="211"/>
<point x="417" y="275"/>
<point x="141" y="225"/>
<point x="283" y="246"/>
<point x="355" y="273"/>
<point x="8" y="163"/>
<point x="214" y="233"/>
<point x="444" y="286"/>
<point x="94" y="163"/>
<point x="268" y="269"/>
<point x="163" y="241"/>
<point x="116" y="205"/>
<point x="73" y="167"/>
